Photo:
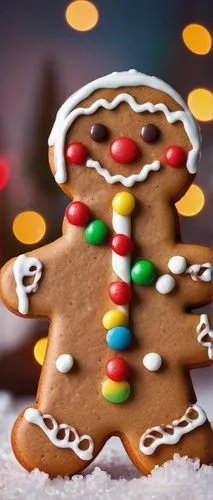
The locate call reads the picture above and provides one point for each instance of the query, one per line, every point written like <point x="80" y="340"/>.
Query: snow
<point x="110" y="477"/>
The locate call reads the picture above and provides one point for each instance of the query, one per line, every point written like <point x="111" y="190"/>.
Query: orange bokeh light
<point x="82" y="15"/>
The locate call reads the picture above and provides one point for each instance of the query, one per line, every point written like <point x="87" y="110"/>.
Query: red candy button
<point x="77" y="213"/>
<point x="76" y="153"/>
<point x="175" y="156"/>
<point x="120" y="293"/>
<point x="117" y="369"/>
<point x="121" y="244"/>
<point x="124" y="150"/>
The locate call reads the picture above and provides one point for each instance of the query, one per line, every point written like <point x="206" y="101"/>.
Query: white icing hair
<point x="69" y="111"/>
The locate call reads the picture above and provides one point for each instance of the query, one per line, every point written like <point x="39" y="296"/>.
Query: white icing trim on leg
<point x="21" y="269"/>
<point x="178" y="432"/>
<point x="33" y="416"/>
<point x="204" y="329"/>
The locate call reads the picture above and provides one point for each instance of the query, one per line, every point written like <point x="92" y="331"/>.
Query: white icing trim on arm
<point x="203" y="329"/>
<point x="178" y="432"/>
<point x="206" y="272"/>
<point x="70" y="111"/>
<point x="21" y="269"/>
<point x="33" y="416"/>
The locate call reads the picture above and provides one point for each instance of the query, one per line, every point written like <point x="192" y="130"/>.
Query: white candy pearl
<point x="152" y="361"/>
<point x="64" y="363"/>
<point x="177" y="264"/>
<point x="165" y="284"/>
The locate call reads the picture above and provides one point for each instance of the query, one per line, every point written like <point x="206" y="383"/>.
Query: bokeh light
<point x="81" y="15"/>
<point x="40" y="350"/>
<point x="29" y="227"/>
<point x="197" y="39"/>
<point x="4" y="173"/>
<point x="192" y="202"/>
<point x="200" y="102"/>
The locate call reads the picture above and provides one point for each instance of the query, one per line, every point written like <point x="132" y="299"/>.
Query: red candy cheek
<point x="175" y="156"/>
<point x="76" y="153"/>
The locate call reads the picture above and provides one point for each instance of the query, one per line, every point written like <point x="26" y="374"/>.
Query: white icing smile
<point x="126" y="181"/>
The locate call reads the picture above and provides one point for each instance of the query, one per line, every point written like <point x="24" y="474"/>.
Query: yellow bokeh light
<point x="197" y="39"/>
<point x="40" y="350"/>
<point x="200" y="102"/>
<point x="192" y="202"/>
<point x="82" y="15"/>
<point x="29" y="227"/>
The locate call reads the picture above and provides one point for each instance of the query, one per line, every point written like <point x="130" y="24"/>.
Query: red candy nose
<point x="175" y="156"/>
<point x="124" y="150"/>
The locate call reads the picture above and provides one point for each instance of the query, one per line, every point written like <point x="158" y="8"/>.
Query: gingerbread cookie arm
<point x="198" y="339"/>
<point x="193" y="265"/>
<point x="25" y="282"/>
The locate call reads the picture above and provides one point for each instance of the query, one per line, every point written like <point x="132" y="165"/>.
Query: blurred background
<point x="47" y="51"/>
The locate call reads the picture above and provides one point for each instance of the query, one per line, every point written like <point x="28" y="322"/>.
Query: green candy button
<point x="143" y="272"/>
<point x="96" y="232"/>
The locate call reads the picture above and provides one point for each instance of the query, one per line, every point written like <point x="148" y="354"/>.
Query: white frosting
<point x="203" y="330"/>
<point x="21" y="269"/>
<point x="152" y="361"/>
<point x="165" y="284"/>
<point x="64" y="363"/>
<point x="177" y="264"/>
<point x="126" y="181"/>
<point x="33" y="416"/>
<point x="70" y="111"/>
<point x="178" y="431"/>
<point x="120" y="264"/>
<point x="204" y="275"/>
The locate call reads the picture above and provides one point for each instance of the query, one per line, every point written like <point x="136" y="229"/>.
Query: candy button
<point x="117" y="369"/>
<point x="96" y="232"/>
<point x="121" y="244"/>
<point x="77" y="213"/>
<point x="152" y="361"/>
<point x="165" y="284"/>
<point x="177" y="264"/>
<point x="115" y="392"/>
<point x="143" y="272"/>
<point x="120" y="293"/>
<point x="119" y="338"/>
<point x="123" y="203"/>
<point x="114" y="318"/>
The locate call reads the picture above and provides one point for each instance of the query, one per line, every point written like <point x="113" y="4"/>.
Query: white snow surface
<point x="110" y="477"/>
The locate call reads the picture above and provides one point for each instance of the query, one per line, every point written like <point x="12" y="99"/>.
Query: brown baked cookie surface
<point x="118" y="285"/>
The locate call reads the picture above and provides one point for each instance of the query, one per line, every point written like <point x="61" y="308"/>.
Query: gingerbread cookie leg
<point x="53" y="446"/>
<point x="178" y="425"/>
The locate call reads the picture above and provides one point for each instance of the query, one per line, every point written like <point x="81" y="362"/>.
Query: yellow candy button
<point x="115" y="392"/>
<point x="114" y="318"/>
<point x="123" y="203"/>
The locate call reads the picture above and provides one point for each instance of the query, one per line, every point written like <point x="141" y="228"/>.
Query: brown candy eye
<point x="98" y="132"/>
<point x="150" y="132"/>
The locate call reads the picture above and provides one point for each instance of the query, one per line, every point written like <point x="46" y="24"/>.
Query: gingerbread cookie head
<point x="126" y="128"/>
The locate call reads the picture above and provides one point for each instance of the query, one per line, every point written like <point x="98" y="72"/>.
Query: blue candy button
<point x="119" y="338"/>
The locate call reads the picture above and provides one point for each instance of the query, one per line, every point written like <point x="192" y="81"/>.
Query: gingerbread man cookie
<point x="118" y="286"/>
